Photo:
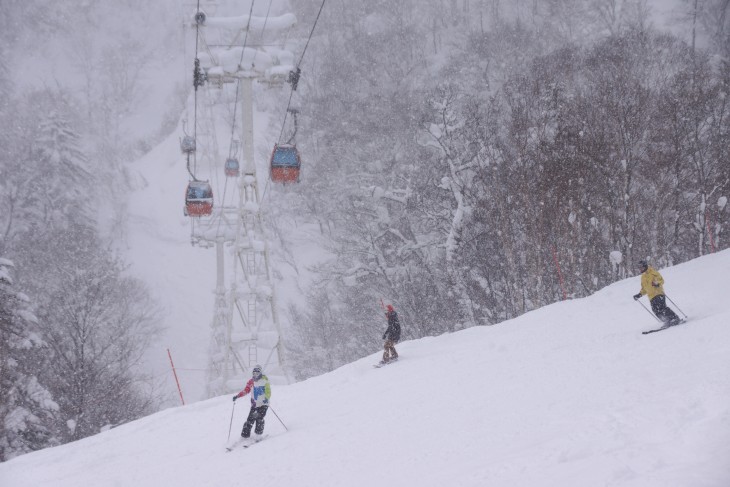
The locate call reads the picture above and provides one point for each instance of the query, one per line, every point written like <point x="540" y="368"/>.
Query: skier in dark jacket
<point x="652" y="285"/>
<point x="391" y="336"/>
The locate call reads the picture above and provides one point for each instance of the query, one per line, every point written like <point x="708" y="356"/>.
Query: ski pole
<point x="277" y="417"/>
<point x="231" y="425"/>
<point x="647" y="310"/>
<point x="675" y="305"/>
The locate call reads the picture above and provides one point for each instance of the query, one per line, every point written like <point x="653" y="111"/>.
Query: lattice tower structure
<point x="245" y="328"/>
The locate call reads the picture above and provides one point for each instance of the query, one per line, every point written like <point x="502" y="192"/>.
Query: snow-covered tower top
<point x="229" y="62"/>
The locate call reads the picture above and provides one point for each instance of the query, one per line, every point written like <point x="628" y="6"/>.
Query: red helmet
<point x="390" y="307"/>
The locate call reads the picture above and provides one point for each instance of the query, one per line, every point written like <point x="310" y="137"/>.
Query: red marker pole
<point x="175" y="373"/>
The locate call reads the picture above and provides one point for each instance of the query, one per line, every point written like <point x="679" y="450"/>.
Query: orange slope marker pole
<point x="175" y="374"/>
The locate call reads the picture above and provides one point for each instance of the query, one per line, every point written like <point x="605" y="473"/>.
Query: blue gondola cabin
<point x="232" y="168"/>
<point x="198" y="199"/>
<point x="285" y="164"/>
<point x="187" y="145"/>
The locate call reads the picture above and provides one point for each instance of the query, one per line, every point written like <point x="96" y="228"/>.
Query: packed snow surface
<point x="568" y="395"/>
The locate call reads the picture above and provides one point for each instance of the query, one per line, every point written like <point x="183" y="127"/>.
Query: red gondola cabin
<point x="232" y="168"/>
<point x="285" y="164"/>
<point x="198" y="199"/>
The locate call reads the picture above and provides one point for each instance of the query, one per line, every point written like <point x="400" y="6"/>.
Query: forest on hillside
<point x="472" y="161"/>
<point x="73" y="323"/>
<point x="465" y="160"/>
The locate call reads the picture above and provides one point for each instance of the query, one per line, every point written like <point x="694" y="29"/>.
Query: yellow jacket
<point x="651" y="283"/>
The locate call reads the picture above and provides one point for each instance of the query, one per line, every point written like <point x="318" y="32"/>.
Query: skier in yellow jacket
<point x="652" y="285"/>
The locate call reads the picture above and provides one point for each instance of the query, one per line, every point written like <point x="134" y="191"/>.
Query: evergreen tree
<point x="61" y="168"/>
<point x="26" y="406"/>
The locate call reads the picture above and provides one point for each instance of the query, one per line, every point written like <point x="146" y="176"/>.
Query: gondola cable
<point x="294" y="75"/>
<point x="197" y="82"/>
<point x="238" y="82"/>
<point x="294" y="81"/>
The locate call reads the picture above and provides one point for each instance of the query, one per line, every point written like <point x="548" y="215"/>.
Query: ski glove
<point x="637" y="296"/>
<point x="235" y="397"/>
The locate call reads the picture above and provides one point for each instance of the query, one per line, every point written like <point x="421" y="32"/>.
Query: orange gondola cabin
<point x="285" y="164"/>
<point x="198" y="199"/>
<point x="232" y="168"/>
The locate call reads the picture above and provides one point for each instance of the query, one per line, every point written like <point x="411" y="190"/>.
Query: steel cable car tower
<point x="245" y="328"/>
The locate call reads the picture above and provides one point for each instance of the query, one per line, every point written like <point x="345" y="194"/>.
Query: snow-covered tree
<point x="26" y="406"/>
<point x="97" y="322"/>
<point x="46" y="182"/>
<point x="62" y="171"/>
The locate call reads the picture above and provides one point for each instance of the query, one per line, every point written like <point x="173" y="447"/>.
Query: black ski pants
<point x="256" y="415"/>
<point x="662" y="311"/>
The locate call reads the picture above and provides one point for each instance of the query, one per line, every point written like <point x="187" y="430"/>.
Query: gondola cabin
<point x="187" y="145"/>
<point x="232" y="168"/>
<point x="198" y="199"/>
<point x="285" y="164"/>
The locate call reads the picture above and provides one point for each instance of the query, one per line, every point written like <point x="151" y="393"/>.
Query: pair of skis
<point x="245" y="442"/>
<point x="683" y="320"/>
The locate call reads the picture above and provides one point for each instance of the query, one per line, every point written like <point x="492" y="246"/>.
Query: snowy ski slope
<point x="568" y="395"/>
